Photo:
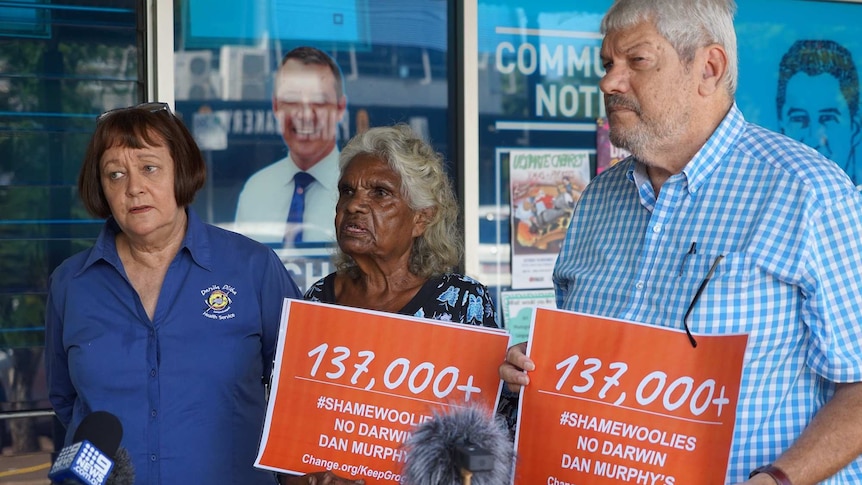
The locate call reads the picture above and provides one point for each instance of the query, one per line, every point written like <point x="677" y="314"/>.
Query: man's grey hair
<point x="686" y="24"/>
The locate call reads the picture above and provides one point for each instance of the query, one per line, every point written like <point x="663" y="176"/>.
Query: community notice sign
<point x="350" y="385"/>
<point x="616" y="402"/>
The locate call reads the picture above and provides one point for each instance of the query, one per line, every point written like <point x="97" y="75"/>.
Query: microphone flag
<point x="82" y="463"/>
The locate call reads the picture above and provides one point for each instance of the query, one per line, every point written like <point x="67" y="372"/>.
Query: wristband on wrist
<point x="773" y="471"/>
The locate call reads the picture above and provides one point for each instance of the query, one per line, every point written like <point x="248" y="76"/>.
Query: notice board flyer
<point x="545" y="184"/>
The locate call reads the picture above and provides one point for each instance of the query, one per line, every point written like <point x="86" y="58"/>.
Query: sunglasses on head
<point x="152" y="107"/>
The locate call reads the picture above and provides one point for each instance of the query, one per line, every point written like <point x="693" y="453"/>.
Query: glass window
<point x="539" y="102"/>
<point x="392" y="58"/>
<point x="61" y="64"/>
<point x="799" y="75"/>
<point x="539" y="69"/>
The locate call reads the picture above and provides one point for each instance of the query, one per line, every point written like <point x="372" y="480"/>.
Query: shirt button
<point x="152" y="457"/>
<point x="657" y="227"/>
<point x="153" y="413"/>
<point x="640" y="285"/>
<point x="152" y="373"/>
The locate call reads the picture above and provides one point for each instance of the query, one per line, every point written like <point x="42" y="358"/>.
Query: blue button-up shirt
<point x="789" y="225"/>
<point x="188" y="385"/>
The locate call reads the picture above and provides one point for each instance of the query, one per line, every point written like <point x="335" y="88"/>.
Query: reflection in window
<point x="61" y="64"/>
<point x="392" y="55"/>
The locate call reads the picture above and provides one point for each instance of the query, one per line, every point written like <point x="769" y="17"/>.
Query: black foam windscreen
<point x="103" y="430"/>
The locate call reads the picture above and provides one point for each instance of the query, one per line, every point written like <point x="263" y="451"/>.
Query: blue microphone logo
<point x="83" y="463"/>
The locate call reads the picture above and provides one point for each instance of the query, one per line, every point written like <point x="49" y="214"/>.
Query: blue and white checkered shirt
<point x="789" y="224"/>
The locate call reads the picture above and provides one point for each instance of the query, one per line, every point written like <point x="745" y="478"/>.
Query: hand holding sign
<point x="514" y="369"/>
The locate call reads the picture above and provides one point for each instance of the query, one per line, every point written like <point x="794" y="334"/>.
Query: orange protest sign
<point x="349" y="385"/>
<point x="614" y="402"/>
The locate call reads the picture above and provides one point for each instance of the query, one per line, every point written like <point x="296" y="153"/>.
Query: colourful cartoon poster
<point x="620" y="402"/>
<point x="545" y="184"/>
<point x="349" y="386"/>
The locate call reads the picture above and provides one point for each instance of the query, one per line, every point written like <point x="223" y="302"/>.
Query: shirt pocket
<point x="735" y="296"/>
<point x="732" y="270"/>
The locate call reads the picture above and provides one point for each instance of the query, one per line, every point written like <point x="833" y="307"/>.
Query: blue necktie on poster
<point x="293" y="233"/>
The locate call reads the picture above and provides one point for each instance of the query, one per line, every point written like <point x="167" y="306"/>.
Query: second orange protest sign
<point x="616" y="402"/>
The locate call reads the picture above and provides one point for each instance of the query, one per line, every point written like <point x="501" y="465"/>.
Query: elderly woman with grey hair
<point x="398" y="240"/>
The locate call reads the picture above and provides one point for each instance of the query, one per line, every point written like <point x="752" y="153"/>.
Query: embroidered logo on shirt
<point x="218" y="301"/>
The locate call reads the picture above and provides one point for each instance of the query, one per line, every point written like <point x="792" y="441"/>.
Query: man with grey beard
<point x="770" y="232"/>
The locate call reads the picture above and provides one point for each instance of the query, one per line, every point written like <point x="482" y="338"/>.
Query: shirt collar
<point x="325" y="172"/>
<point x="716" y="148"/>
<point x="636" y="173"/>
<point x="708" y="158"/>
<point x="196" y="242"/>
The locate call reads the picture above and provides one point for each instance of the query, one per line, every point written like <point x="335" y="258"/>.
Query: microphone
<point x="462" y="446"/>
<point x="123" y="472"/>
<point x="92" y="458"/>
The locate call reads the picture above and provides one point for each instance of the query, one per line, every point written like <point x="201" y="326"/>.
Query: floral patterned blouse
<point x="450" y="297"/>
